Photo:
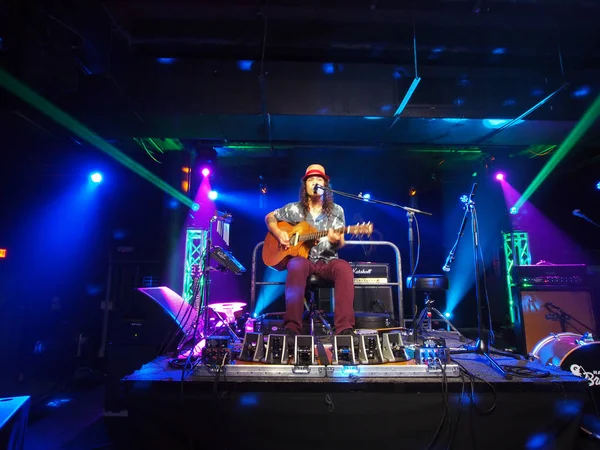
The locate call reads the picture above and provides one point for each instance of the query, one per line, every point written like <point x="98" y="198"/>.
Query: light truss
<point x="516" y="253"/>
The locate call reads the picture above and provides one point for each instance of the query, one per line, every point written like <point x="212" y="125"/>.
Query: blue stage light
<point x="213" y="195"/>
<point x="96" y="177"/>
<point x="598" y="185"/>
<point x="328" y="68"/>
<point x="448" y="314"/>
<point x="245" y="65"/>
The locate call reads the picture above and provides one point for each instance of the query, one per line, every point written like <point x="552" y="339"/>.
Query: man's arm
<point x="271" y="222"/>
<point x="280" y="235"/>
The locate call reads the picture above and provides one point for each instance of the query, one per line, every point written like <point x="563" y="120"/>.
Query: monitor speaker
<point x="541" y="314"/>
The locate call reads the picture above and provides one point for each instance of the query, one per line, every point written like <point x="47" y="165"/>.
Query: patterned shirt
<point x="324" y="250"/>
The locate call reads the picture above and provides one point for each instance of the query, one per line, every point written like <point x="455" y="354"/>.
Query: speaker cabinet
<point x="367" y="299"/>
<point x="14" y="413"/>
<point x="547" y="312"/>
<point x="373" y="299"/>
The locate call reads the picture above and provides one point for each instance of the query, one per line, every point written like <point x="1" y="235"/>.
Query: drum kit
<point x="578" y="354"/>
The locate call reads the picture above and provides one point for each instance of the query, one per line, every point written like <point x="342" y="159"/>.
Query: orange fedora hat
<point x="315" y="170"/>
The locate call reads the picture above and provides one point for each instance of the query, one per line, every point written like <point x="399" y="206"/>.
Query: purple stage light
<point x="205" y="172"/>
<point x="500" y="176"/>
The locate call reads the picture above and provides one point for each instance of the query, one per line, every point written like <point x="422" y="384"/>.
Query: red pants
<point x="338" y="271"/>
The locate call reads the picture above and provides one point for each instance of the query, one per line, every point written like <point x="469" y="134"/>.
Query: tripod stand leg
<point x="496" y="366"/>
<point x="418" y="323"/>
<point x="441" y="316"/>
<point x="227" y="324"/>
<point x="323" y="321"/>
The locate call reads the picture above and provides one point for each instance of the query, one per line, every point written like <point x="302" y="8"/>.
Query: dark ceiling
<point x="267" y="75"/>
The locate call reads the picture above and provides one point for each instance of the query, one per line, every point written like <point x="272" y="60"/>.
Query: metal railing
<point x="398" y="283"/>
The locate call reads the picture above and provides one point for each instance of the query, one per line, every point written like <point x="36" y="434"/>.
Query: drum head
<point x="584" y="361"/>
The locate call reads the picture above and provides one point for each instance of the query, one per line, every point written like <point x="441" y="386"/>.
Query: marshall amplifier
<point x="372" y="299"/>
<point x="368" y="272"/>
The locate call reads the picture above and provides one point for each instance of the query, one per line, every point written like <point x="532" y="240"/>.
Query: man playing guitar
<point x="316" y="207"/>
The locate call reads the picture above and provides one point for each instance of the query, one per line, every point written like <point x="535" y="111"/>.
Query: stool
<point x="313" y="284"/>
<point x="428" y="283"/>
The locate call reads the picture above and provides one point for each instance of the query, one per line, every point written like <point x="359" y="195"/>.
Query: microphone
<point x="318" y="189"/>
<point x="578" y="213"/>
<point x="449" y="259"/>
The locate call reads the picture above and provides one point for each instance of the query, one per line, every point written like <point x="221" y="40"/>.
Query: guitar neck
<point x="319" y="234"/>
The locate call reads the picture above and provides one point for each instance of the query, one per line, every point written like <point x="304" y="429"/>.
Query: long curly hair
<point x="327" y="199"/>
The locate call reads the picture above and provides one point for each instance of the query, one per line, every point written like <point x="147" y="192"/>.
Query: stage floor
<point x="477" y="408"/>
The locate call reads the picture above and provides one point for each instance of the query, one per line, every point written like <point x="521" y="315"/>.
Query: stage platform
<point x="475" y="408"/>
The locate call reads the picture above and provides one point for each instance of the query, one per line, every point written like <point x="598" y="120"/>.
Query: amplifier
<point x="549" y="277"/>
<point x="368" y="272"/>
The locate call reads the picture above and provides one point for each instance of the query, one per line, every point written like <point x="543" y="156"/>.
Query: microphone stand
<point x="578" y="213"/>
<point x="564" y="317"/>
<point x="410" y="214"/>
<point x="482" y="346"/>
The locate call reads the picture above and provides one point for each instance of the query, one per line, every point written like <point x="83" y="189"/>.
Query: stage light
<point x="205" y="172"/>
<point x="195" y="207"/>
<point x="96" y="177"/>
<point x="514" y="210"/>
<point x="245" y="65"/>
<point x="448" y="314"/>
<point x="500" y="176"/>
<point x="598" y="185"/>
<point x="328" y="68"/>
<point x="213" y="195"/>
<point x="366" y="197"/>
<point x="2" y="253"/>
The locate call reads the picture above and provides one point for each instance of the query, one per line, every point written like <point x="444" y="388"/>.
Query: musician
<point x="318" y="209"/>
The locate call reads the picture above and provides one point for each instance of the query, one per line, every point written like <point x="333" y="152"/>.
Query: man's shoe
<point x="291" y="335"/>
<point x="347" y="332"/>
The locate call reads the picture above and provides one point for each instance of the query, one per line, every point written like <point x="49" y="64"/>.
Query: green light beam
<point x="574" y="136"/>
<point x="25" y="93"/>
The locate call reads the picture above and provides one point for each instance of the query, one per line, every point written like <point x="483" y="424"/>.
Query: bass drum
<point x="580" y="357"/>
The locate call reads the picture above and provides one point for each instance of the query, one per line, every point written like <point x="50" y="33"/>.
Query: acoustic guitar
<point x="302" y="238"/>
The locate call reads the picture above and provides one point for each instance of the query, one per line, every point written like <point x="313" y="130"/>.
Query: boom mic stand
<point x="410" y="214"/>
<point x="482" y="346"/>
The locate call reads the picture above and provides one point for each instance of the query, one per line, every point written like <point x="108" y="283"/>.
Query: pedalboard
<point x="253" y="348"/>
<point x="277" y="351"/>
<point x="369" y="349"/>
<point x="304" y="351"/>
<point x="393" y="348"/>
<point x="343" y="351"/>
